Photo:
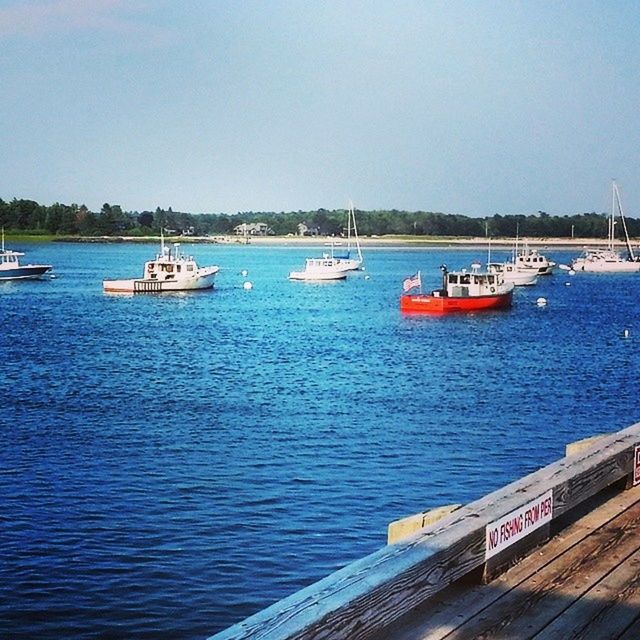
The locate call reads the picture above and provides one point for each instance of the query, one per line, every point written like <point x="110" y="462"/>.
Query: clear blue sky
<point x="471" y="107"/>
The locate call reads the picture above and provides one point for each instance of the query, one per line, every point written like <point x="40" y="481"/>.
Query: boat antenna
<point x="2" y="239"/>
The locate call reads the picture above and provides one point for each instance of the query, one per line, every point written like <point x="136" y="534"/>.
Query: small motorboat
<point x="11" y="269"/>
<point x="169" y="271"/>
<point x="462" y="291"/>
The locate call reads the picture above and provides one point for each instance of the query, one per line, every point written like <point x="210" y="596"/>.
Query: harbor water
<point x="171" y="464"/>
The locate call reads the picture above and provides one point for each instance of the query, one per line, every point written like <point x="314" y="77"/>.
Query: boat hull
<point x="317" y="276"/>
<point x="439" y="304"/>
<point x="606" y="267"/>
<point x="147" y="285"/>
<point x="26" y="272"/>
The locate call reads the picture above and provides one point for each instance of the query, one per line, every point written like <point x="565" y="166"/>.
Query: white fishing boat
<point x="329" y="267"/>
<point x="532" y="258"/>
<point x="169" y="271"/>
<point x="609" y="260"/>
<point x="11" y="269"/>
<point x="520" y="276"/>
<point x="511" y="271"/>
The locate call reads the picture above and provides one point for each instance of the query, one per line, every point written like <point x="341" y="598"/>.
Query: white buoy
<point x="625" y="333"/>
<point x="541" y="302"/>
<point x="244" y="273"/>
<point x="567" y="284"/>
<point x="367" y="277"/>
<point x="247" y="285"/>
<point x="572" y="272"/>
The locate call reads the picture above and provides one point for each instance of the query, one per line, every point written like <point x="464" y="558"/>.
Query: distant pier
<point x="554" y="555"/>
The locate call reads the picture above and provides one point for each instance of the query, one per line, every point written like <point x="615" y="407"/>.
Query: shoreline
<point x="406" y="242"/>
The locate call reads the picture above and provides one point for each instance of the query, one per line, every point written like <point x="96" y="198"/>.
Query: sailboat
<point x="609" y="260"/>
<point x="332" y="266"/>
<point x="352" y="264"/>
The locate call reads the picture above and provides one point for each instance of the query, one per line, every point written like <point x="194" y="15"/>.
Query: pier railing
<point x="481" y="539"/>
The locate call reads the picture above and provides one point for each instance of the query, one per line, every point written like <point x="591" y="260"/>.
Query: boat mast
<point x="352" y="214"/>
<point x="616" y="193"/>
<point x="2" y="239"/>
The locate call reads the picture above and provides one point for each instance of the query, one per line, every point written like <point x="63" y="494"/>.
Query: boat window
<point x="453" y="278"/>
<point x="476" y="279"/>
<point x="465" y="279"/>
<point x="491" y="279"/>
<point x="189" y="267"/>
<point x="178" y="268"/>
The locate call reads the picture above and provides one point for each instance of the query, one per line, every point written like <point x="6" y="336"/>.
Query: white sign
<point x="518" y="524"/>
<point x="636" y="466"/>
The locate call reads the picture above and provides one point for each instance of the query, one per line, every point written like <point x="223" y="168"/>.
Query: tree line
<point x="28" y="216"/>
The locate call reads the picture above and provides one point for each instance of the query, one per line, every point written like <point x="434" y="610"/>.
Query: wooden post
<point x="400" y="529"/>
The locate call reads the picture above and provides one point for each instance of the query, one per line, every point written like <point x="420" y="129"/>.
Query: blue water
<point x="171" y="464"/>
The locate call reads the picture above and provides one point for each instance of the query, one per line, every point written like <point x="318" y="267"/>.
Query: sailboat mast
<point x="352" y="214"/>
<point x="624" y="222"/>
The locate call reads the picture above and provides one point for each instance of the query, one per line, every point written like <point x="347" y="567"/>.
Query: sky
<point x="468" y="107"/>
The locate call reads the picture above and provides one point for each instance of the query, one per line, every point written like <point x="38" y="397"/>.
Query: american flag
<point x="411" y="282"/>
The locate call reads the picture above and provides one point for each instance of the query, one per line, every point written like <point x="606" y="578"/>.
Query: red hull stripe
<point x="423" y="303"/>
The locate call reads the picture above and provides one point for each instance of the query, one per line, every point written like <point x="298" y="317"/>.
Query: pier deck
<point x="582" y="584"/>
<point x="554" y="555"/>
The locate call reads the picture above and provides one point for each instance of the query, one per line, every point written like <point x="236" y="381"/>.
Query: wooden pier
<point x="555" y="555"/>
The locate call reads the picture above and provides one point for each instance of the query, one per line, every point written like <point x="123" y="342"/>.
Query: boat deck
<point x="584" y="583"/>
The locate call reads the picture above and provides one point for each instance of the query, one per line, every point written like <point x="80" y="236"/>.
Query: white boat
<point x="169" y="271"/>
<point x="531" y="258"/>
<point x="328" y="267"/>
<point x="609" y="260"/>
<point x="332" y="266"/>
<point x="511" y="271"/>
<point x="520" y="276"/>
<point x="11" y="269"/>
<point x="353" y="263"/>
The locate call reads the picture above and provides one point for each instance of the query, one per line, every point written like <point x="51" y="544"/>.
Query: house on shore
<point x="252" y="229"/>
<point x="307" y="230"/>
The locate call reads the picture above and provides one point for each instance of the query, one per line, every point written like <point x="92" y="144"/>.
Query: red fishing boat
<point x="461" y="291"/>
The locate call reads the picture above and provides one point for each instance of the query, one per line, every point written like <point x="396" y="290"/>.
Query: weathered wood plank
<point x="579" y="446"/>
<point x="457" y="605"/>
<point x="605" y="611"/>
<point x="524" y="612"/>
<point x="632" y="632"/>
<point x="400" y="529"/>
<point x="371" y="593"/>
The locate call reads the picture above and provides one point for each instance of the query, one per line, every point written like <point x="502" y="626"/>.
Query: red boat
<point x="461" y="291"/>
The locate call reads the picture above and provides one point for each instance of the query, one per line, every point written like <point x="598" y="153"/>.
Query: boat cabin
<point x="464" y="284"/>
<point x="165" y="270"/>
<point x="10" y="258"/>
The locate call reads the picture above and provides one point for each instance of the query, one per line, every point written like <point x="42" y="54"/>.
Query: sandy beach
<point x="367" y="241"/>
